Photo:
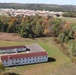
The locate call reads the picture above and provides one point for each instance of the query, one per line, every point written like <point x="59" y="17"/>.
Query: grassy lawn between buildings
<point x="57" y="64"/>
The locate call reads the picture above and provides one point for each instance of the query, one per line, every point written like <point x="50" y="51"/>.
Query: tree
<point x="66" y="31"/>
<point x="56" y="26"/>
<point x="12" y="28"/>
<point x="23" y="32"/>
<point x="74" y="48"/>
<point x="2" y="68"/>
<point x="71" y="34"/>
<point x="30" y="33"/>
<point x="1" y="25"/>
<point x="62" y="37"/>
<point x="39" y="30"/>
<point x="66" y="39"/>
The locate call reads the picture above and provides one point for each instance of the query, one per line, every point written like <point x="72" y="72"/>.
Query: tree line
<point x="29" y="26"/>
<point x="50" y="7"/>
<point x="70" y="14"/>
<point x="38" y="26"/>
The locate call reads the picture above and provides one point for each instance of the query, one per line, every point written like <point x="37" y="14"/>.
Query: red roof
<point x="12" y="47"/>
<point x="26" y="55"/>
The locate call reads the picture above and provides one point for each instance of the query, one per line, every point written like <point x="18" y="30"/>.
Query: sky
<point x="61" y="2"/>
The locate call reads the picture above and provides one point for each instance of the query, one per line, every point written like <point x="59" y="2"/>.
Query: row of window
<point x="17" y="63"/>
<point x="6" y="50"/>
<point x="24" y="58"/>
<point x="13" y="49"/>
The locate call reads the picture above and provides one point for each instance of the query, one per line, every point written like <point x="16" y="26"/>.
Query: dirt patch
<point x="11" y="37"/>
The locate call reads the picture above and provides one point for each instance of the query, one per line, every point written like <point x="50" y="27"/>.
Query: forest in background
<point x="50" y="7"/>
<point x="38" y="26"/>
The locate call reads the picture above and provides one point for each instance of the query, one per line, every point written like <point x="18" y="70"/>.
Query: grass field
<point x="55" y="67"/>
<point x="68" y="19"/>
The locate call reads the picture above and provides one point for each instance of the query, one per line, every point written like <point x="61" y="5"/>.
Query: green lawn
<point x="42" y="68"/>
<point x="68" y="19"/>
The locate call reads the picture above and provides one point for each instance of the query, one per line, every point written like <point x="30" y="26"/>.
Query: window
<point x="6" y="64"/>
<point x="39" y="59"/>
<point x="42" y="59"/>
<point x="26" y="61"/>
<point x="6" y="60"/>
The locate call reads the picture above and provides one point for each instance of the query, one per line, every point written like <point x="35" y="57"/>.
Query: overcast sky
<point x="72" y="2"/>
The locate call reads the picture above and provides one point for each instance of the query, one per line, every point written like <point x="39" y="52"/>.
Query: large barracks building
<point x="21" y="55"/>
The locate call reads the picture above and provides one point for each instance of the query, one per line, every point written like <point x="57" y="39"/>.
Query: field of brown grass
<point x="11" y="37"/>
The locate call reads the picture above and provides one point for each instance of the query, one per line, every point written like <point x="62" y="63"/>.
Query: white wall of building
<point x="22" y="61"/>
<point x="12" y="50"/>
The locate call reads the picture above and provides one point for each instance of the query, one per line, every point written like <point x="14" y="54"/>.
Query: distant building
<point x="26" y="12"/>
<point x="20" y="55"/>
<point x="12" y="49"/>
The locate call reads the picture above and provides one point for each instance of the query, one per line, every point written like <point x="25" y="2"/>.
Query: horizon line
<point x="36" y="3"/>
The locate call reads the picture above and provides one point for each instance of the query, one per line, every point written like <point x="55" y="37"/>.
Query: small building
<point x="12" y="49"/>
<point x="28" y="54"/>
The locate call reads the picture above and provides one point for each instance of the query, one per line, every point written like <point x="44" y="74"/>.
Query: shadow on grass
<point x="13" y="74"/>
<point x="50" y="59"/>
